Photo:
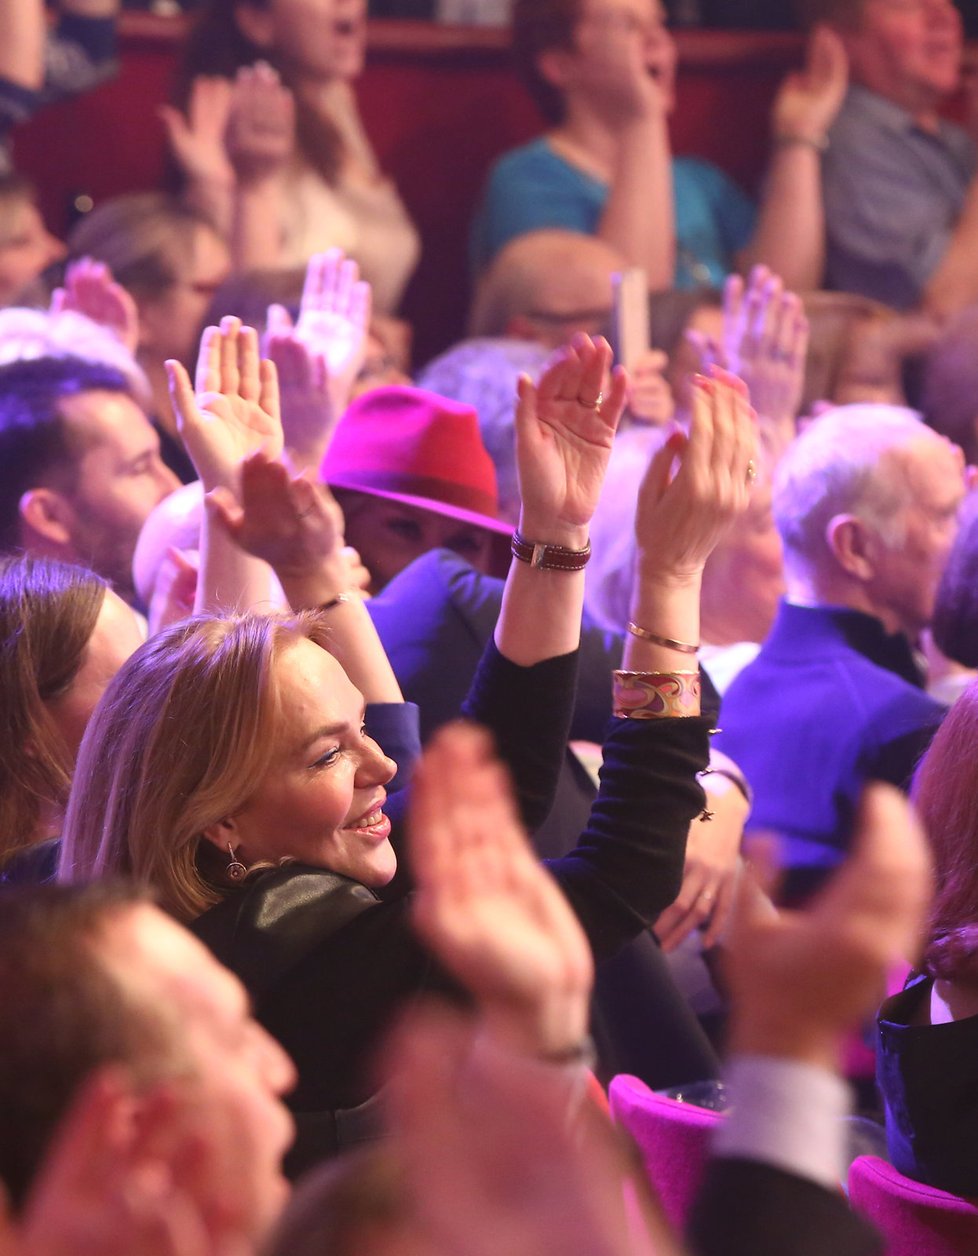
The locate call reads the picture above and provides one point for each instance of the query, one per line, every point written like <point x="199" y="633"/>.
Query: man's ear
<point x="256" y="22"/>
<point x="48" y="515"/>
<point x="223" y="833"/>
<point x="852" y="543"/>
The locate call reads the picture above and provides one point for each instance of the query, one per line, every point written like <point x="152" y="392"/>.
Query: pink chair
<point x="673" y="1139"/>
<point x="914" y="1219"/>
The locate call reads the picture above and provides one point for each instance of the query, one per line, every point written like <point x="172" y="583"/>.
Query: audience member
<point x="171" y="260"/>
<point x="41" y="62"/>
<point x="412" y="475"/>
<point x="27" y="248"/>
<point x="335" y="193"/>
<point x="924" y="1062"/>
<point x="113" y="995"/>
<point x="64" y="635"/>
<point x="866" y="502"/>
<point x="901" y="201"/>
<point x="954" y="630"/>
<point x="82" y="466"/>
<point x="602" y="75"/>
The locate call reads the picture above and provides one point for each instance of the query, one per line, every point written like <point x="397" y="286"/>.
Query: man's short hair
<point x="841" y="465"/>
<point x="538" y="26"/>
<point x="64" y="1016"/>
<point x="37" y="448"/>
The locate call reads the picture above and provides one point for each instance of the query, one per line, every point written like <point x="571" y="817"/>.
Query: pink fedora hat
<point x="412" y="446"/>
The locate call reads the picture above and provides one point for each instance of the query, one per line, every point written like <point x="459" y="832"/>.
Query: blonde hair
<point x="179" y="741"/>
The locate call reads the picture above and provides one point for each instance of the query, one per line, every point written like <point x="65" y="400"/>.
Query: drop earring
<point x="236" y="870"/>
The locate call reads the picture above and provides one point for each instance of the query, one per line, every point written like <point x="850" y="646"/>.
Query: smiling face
<point x="908" y="51"/>
<point x="321" y="800"/>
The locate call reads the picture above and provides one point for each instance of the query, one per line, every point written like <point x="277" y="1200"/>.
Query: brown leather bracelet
<point x="549" y="557"/>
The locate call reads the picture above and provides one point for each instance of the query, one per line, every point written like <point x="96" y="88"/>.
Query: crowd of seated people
<point x="392" y="760"/>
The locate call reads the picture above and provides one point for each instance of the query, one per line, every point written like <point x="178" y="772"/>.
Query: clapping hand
<point x="89" y="289"/>
<point x="260" y="133"/>
<point x="682" y="514"/>
<point x="800" y="980"/>
<point x="197" y="138"/>
<point x="233" y="409"/>
<point x="485" y="906"/>
<point x="809" y="99"/>
<point x="320" y="356"/>
<point x="565" y="428"/>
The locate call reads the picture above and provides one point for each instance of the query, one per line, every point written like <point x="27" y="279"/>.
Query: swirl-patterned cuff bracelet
<point x="655" y="695"/>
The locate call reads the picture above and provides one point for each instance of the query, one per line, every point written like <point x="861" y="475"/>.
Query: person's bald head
<point x="546" y="285"/>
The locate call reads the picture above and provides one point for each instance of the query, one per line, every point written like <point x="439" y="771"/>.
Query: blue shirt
<point x="893" y="195"/>
<point x="533" y="187"/>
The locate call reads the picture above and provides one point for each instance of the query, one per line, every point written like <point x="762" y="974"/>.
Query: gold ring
<point x="592" y="405"/>
<point x="751" y="471"/>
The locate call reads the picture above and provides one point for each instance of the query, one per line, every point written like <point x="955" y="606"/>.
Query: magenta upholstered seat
<point x="673" y="1139"/>
<point x="914" y="1219"/>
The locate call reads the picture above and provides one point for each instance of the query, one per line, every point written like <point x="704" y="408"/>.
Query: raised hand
<point x="320" y="356"/>
<point x="260" y="134"/>
<point x="801" y="979"/>
<point x="111" y="1183"/>
<point x="293" y="523"/>
<point x="196" y="138"/>
<point x="809" y="99"/>
<point x="565" y="428"/>
<point x="89" y="289"/>
<point x="485" y="906"/>
<point x="235" y="408"/>
<point x="765" y="343"/>
<point x="681" y="516"/>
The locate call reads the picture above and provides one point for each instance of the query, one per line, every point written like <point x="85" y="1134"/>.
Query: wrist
<point x="538" y="531"/>
<point x="797" y="1039"/>
<point x="794" y="137"/>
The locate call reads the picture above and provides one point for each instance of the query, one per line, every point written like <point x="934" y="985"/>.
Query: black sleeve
<point x="628" y="864"/>
<point x="528" y="710"/>
<point x="746" y="1208"/>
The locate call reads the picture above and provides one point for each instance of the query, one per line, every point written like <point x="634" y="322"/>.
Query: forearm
<point x="639" y="216"/>
<point x="215" y="199"/>
<point x="230" y="581"/>
<point x="668" y="607"/>
<point x="23" y="30"/>
<point x="628" y="864"/>
<point x="954" y="284"/>
<point x="89" y="8"/>
<point x="353" y="639"/>
<point x="790" y="234"/>
<point x="256" y="232"/>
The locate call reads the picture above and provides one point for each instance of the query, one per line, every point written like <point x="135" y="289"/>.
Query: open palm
<point x="234" y="409"/>
<point x="565" y="429"/>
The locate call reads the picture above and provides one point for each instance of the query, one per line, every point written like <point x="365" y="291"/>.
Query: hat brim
<point x="501" y="531"/>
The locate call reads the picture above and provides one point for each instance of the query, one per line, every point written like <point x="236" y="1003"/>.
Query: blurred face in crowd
<point x="232" y="1072"/>
<point x="907" y="50"/>
<point x="388" y="535"/>
<point x="116" y="635"/>
<point x="27" y="249"/>
<point x="744" y="576"/>
<point x="312" y="40"/>
<point x="911" y="553"/>
<point x="170" y="321"/>
<point x="610" y="38"/>
<point x="119" y="479"/>
<point x="321" y="801"/>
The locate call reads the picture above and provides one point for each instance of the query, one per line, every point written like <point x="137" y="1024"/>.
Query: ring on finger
<point x="751" y="471"/>
<point x="592" y="405"/>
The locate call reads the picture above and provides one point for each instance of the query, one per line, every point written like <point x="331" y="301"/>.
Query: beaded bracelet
<point x="655" y="695"/>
